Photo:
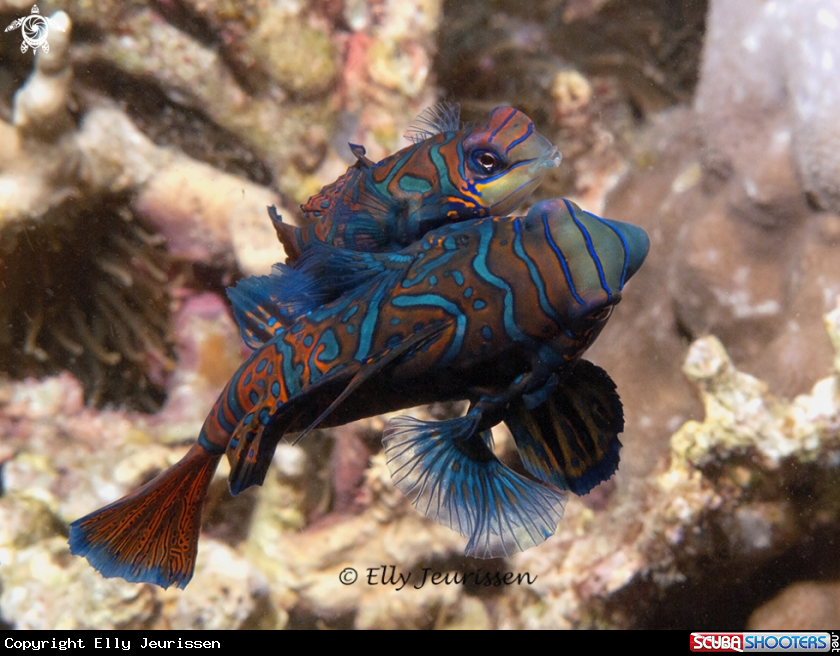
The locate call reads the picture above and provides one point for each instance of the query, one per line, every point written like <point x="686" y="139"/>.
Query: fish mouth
<point x="553" y="158"/>
<point x="550" y="159"/>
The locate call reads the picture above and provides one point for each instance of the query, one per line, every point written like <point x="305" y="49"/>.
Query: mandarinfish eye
<point x="484" y="162"/>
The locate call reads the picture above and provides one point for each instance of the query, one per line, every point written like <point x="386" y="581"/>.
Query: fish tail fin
<point x="150" y="535"/>
<point x="450" y="474"/>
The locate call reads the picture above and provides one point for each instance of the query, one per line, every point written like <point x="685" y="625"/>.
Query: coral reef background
<point x="137" y="156"/>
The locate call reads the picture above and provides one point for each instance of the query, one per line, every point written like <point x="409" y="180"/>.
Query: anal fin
<point x="252" y="445"/>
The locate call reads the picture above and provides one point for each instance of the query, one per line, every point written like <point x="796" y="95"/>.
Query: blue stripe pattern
<point x="591" y="248"/>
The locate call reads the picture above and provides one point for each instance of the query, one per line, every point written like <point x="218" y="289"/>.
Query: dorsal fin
<point x="359" y="153"/>
<point x="289" y="235"/>
<point x="442" y="117"/>
<point x="264" y="304"/>
<point x="320" y="203"/>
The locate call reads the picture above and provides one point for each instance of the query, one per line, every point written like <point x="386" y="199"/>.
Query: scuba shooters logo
<point x="790" y="641"/>
<point x="717" y="642"/>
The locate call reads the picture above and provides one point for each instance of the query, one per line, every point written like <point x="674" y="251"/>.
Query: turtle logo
<point x="35" y="29"/>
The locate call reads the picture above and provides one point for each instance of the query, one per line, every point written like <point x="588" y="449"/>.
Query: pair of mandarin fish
<point x="410" y="287"/>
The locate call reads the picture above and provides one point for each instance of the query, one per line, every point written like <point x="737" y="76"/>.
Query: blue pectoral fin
<point x="339" y="270"/>
<point x="363" y="230"/>
<point x="264" y="304"/>
<point x="571" y="439"/>
<point x="450" y="474"/>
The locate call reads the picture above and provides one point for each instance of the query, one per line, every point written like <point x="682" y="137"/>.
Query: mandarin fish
<point x="450" y="173"/>
<point x="497" y="311"/>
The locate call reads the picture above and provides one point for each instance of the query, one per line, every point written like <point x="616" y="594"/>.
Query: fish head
<point x="504" y="160"/>
<point x="591" y="260"/>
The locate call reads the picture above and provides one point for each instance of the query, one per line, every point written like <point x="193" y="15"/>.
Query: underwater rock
<point x="296" y="54"/>
<point x="770" y="76"/>
<point x="41" y="590"/>
<point x="582" y="69"/>
<point x="68" y="458"/>
<point x="195" y="76"/>
<point x="87" y="285"/>
<point x="40" y="107"/>
<point x="307" y="568"/>
<point x="206" y="215"/>
<point x="225" y="67"/>
<point x="832" y="325"/>
<point x="230" y="594"/>
<point x="198" y="208"/>
<point x="38" y="155"/>
<point x="747" y="255"/>
<point x="806" y="606"/>
<point x="282" y="77"/>
<point x="754" y="263"/>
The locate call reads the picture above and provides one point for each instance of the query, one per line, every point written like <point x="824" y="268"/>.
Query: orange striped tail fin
<point x="150" y="535"/>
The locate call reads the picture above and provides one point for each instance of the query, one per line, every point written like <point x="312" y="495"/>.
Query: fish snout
<point x="638" y="245"/>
